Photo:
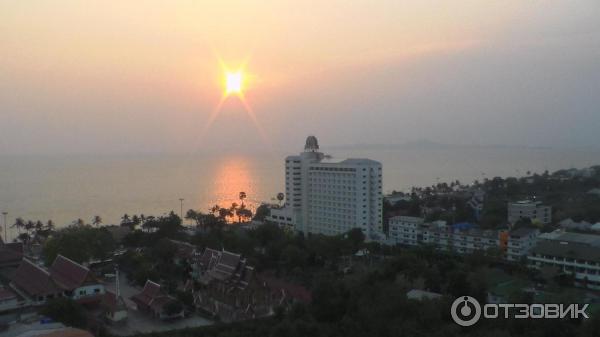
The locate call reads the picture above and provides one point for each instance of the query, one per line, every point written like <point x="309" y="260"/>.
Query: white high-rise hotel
<point x="330" y="197"/>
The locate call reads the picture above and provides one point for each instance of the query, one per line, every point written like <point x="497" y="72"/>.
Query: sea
<point x="64" y="188"/>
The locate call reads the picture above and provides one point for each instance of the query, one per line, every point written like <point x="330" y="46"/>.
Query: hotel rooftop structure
<point x="325" y="197"/>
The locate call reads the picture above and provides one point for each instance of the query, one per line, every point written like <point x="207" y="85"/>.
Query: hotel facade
<point x="331" y="198"/>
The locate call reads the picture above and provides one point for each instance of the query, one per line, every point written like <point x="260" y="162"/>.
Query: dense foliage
<point x="66" y="311"/>
<point x="374" y="303"/>
<point x="565" y="191"/>
<point x="80" y="243"/>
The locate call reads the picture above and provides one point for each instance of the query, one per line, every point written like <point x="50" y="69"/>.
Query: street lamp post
<point x="5" y="225"/>
<point x="181" y="210"/>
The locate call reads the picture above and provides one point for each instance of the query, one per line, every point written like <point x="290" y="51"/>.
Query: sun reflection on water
<point x="231" y="178"/>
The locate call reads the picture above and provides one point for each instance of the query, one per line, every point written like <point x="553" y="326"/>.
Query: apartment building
<point x="529" y="209"/>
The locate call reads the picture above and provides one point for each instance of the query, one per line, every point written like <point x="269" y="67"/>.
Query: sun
<point x="233" y="82"/>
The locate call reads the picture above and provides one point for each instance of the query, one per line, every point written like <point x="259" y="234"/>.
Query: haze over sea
<point x="67" y="187"/>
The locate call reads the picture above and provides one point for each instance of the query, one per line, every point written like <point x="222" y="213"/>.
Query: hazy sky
<point x="143" y="76"/>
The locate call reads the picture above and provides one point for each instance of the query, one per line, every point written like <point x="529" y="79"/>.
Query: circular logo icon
<point x="465" y="311"/>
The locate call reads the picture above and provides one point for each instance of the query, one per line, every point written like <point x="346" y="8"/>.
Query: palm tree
<point x="19" y="223"/>
<point x="243" y="212"/>
<point x="233" y="209"/>
<point x="25" y="238"/>
<point x="125" y="220"/>
<point x="191" y="215"/>
<point x="280" y="197"/>
<point x="29" y="226"/>
<point x="97" y="221"/>
<point x="239" y="211"/>
<point x="149" y="223"/>
<point x="242" y="197"/>
<point x="39" y="226"/>
<point x="135" y="220"/>
<point x="225" y="213"/>
<point x="215" y="209"/>
<point x="50" y="225"/>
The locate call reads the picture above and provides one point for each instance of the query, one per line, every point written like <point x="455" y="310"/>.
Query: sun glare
<point x="233" y="82"/>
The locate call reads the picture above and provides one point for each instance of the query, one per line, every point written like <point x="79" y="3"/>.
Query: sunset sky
<point x="144" y="76"/>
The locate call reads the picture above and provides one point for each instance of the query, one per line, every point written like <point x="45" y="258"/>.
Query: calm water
<point x="69" y="187"/>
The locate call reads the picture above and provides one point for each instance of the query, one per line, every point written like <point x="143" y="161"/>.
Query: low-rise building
<point x="64" y="278"/>
<point x="9" y="300"/>
<point x="536" y="211"/>
<point x="115" y="309"/>
<point x="575" y="225"/>
<point x="394" y="198"/>
<point x="520" y="242"/>
<point x="562" y="235"/>
<point x="461" y="239"/>
<point x="580" y="258"/>
<point x="76" y="281"/>
<point x="476" y="203"/>
<point x="282" y="216"/>
<point x="34" y="283"/>
<point x="231" y="290"/>
<point x="154" y="301"/>
<point x="11" y="254"/>
<point x="405" y="230"/>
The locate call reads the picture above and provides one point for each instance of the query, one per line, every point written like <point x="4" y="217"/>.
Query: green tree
<point x="192" y="215"/>
<point x="66" y="311"/>
<point x="50" y="226"/>
<point x="19" y="224"/>
<point x="173" y="308"/>
<point x="356" y="238"/>
<point x="243" y="213"/>
<point x="79" y="243"/>
<point x="97" y="221"/>
<point x="168" y="226"/>
<point x="261" y="212"/>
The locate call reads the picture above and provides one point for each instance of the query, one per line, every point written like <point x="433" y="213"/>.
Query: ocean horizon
<point x="64" y="188"/>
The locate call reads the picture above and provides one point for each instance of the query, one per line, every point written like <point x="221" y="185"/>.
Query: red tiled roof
<point x="15" y="246"/>
<point x="68" y="273"/>
<point x="34" y="280"/>
<point x="152" y="297"/>
<point x="9" y="256"/>
<point x="184" y="250"/>
<point x="295" y="291"/>
<point x="6" y="294"/>
<point x="149" y="293"/>
<point x="110" y="300"/>
<point x="159" y="302"/>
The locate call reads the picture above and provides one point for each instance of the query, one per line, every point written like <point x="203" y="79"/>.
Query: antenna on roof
<point x="117" y="281"/>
